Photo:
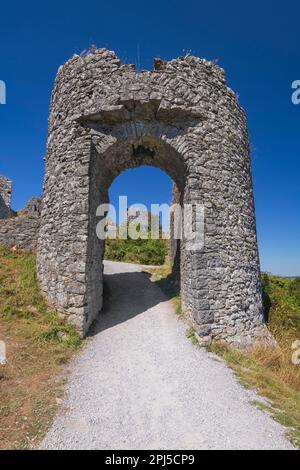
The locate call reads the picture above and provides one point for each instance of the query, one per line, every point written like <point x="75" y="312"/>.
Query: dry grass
<point x="38" y="343"/>
<point x="269" y="373"/>
<point x="279" y="363"/>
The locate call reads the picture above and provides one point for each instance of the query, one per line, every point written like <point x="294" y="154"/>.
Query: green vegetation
<point x="38" y="342"/>
<point x="22" y="303"/>
<point x="190" y="334"/>
<point x="294" y="289"/>
<point x="136" y="251"/>
<point x="282" y="306"/>
<point x="141" y="251"/>
<point x="177" y="303"/>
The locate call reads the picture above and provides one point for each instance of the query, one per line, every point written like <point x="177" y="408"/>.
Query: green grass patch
<point x="190" y="334"/>
<point x="148" y="252"/>
<point x="21" y="301"/>
<point x="177" y="303"/>
<point x="38" y="342"/>
<point x="282" y="306"/>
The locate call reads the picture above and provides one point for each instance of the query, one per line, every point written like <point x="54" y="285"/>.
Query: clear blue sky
<point x="257" y="42"/>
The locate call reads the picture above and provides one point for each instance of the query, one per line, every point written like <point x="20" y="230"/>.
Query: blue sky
<point x="257" y="42"/>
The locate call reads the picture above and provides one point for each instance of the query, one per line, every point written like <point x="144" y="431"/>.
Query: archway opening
<point x="140" y="201"/>
<point x="165" y="167"/>
<point x="136" y="265"/>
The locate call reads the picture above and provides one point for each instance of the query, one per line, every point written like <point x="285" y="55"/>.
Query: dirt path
<point x="141" y="384"/>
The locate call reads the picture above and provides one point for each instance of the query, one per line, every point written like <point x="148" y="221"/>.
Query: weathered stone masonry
<point x="5" y="197"/>
<point x="181" y="117"/>
<point x="18" y="230"/>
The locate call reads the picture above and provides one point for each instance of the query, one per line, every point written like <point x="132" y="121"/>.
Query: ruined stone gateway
<point x="181" y="117"/>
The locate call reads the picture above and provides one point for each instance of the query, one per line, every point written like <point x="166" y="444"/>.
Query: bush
<point x="281" y="298"/>
<point x="141" y="251"/>
<point x="136" y="251"/>
<point x="294" y="289"/>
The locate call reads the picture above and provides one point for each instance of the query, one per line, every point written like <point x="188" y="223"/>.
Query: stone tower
<point x="181" y="117"/>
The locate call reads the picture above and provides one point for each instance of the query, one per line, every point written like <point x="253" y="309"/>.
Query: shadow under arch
<point x="126" y="295"/>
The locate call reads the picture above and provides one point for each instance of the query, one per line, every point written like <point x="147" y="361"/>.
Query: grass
<point x="263" y="370"/>
<point x="38" y="343"/>
<point x="190" y="334"/>
<point x="136" y="251"/>
<point x="270" y="372"/>
<point x="282" y="306"/>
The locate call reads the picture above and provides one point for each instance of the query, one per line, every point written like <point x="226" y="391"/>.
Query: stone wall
<point x="20" y="232"/>
<point x="181" y="117"/>
<point x="174" y="244"/>
<point x="5" y="197"/>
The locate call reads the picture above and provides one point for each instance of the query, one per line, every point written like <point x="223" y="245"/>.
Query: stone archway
<point x="105" y="117"/>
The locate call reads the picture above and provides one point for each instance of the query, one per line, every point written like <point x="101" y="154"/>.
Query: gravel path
<point x="141" y="384"/>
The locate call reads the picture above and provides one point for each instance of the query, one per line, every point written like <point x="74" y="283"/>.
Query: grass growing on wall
<point x="38" y="342"/>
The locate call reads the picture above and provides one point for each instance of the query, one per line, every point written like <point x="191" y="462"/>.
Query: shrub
<point x="294" y="289"/>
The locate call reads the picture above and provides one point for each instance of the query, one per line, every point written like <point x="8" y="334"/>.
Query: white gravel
<point x="141" y="384"/>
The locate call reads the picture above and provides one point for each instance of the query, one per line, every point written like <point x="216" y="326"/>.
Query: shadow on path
<point x="126" y="294"/>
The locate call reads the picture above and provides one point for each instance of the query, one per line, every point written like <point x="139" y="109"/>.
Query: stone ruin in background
<point x="18" y="229"/>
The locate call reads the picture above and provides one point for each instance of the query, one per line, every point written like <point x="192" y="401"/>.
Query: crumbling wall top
<point x="97" y="83"/>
